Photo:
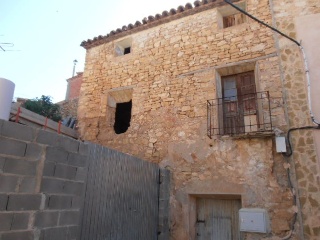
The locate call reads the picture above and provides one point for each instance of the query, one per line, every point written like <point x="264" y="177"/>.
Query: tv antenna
<point x="74" y="67"/>
<point x="4" y="46"/>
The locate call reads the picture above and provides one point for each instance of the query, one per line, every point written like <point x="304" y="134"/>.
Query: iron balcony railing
<point x="238" y="115"/>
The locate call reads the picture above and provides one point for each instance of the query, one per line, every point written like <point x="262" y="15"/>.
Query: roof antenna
<point x="6" y="45"/>
<point x="74" y="67"/>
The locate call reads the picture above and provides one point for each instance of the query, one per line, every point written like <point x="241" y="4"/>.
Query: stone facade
<point x="304" y="159"/>
<point x="69" y="108"/>
<point x="175" y="65"/>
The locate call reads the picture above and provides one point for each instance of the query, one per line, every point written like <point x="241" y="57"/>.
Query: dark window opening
<point x="127" y="50"/>
<point x="122" y="117"/>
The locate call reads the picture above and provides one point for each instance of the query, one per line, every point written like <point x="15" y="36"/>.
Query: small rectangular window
<point x="228" y="16"/>
<point x="232" y="20"/>
<point x="123" y="47"/>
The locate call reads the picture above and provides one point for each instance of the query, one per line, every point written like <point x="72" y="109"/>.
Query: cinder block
<point x="24" y="202"/>
<point x="58" y="233"/>
<point x="77" y="202"/>
<point x="34" y="151"/>
<point x="22" y="167"/>
<point x="51" y="185"/>
<point x="18" y="131"/>
<point x="2" y="160"/>
<point x="12" y="147"/>
<point x="20" y="221"/>
<point x="81" y="174"/>
<point x="59" y="202"/>
<point x="74" y="188"/>
<point x="56" y="155"/>
<point x="72" y="233"/>
<point x="5" y="220"/>
<point x="49" y="168"/>
<point x="83" y="148"/>
<point x="3" y="201"/>
<point x="76" y="159"/>
<point x="69" y="218"/>
<point x="24" y="235"/>
<point x="69" y="144"/>
<point x="46" y="219"/>
<point x="65" y="171"/>
<point x="47" y="138"/>
<point x="8" y="183"/>
<point x="28" y="185"/>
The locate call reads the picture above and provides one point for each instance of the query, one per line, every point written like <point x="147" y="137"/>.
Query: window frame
<point x="228" y="11"/>
<point x="115" y="96"/>
<point x="236" y="69"/>
<point x="121" y="47"/>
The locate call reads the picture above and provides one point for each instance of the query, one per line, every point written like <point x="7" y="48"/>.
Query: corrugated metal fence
<point x="121" y="198"/>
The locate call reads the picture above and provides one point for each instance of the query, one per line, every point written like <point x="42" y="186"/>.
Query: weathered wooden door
<point x="218" y="219"/>
<point x="239" y="103"/>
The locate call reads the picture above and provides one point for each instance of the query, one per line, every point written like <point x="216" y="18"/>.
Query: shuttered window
<point x="233" y="20"/>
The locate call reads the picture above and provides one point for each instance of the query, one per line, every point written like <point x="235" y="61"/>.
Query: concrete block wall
<point x="42" y="177"/>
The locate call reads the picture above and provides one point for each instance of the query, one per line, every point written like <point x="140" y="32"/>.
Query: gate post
<point x="164" y="196"/>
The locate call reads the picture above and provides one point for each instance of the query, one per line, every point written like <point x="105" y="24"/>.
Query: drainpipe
<point x="302" y="51"/>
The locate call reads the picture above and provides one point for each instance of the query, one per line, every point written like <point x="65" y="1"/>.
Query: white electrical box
<point x="254" y="220"/>
<point x="281" y="144"/>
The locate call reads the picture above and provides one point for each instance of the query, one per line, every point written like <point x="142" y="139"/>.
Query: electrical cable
<point x="288" y="137"/>
<point x="287" y="155"/>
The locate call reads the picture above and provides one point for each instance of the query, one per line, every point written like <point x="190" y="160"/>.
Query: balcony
<point x="240" y="116"/>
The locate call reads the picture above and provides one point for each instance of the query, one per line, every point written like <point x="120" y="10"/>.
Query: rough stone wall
<point x="41" y="183"/>
<point x="172" y="71"/>
<point x="69" y="108"/>
<point x="304" y="158"/>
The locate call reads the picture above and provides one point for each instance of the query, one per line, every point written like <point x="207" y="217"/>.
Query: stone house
<point x="202" y="90"/>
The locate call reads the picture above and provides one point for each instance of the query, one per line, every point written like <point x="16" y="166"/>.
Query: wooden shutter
<point x="246" y="87"/>
<point x="239" y="103"/>
<point x="234" y="19"/>
<point x="228" y="21"/>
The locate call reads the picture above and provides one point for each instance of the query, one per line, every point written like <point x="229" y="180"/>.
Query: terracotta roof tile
<point x="152" y="21"/>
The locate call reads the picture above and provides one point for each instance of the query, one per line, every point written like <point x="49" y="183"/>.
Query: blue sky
<point x="47" y="35"/>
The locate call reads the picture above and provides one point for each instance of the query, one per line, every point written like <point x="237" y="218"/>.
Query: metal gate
<point x="121" y="197"/>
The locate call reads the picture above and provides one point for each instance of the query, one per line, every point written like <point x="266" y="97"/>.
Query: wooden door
<point x="247" y="92"/>
<point x="232" y="118"/>
<point x="239" y="100"/>
<point x="218" y="219"/>
<point x="248" y="101"/>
